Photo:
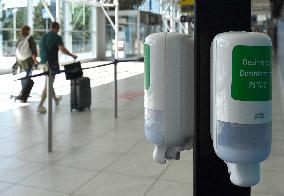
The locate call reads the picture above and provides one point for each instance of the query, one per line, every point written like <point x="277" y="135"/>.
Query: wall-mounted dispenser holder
<point x="169" y="94"/>
<point x="241" y="106"/>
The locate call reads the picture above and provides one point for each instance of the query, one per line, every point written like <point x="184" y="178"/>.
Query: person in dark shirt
<point x="49" y="46"/>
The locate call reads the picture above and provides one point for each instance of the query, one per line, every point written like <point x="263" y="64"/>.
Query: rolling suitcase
<point x="27" y="86"/>
<point x="80" y="93"/>
<point x="26" y="90"/>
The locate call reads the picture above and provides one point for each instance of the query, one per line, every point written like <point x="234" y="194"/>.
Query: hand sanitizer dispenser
<point x="241" y="106"/>
<point x="169" y="94"/>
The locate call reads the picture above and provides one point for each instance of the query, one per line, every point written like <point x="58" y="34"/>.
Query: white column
<point x="173" y="16"/>
<point x="94" y="25"/>
<point x="138" y="35"/>
<point x="161" y="7"/>
<point x="67" y="26"/>
<point x="156" y="6"/>
<point x="161" y="12"/>
<point x="116" y="27"/>
<point x="15" y="24"/>
<point x="30" y="16"/>
<point x="164" y="12"/>
<point x="100" y="34"/>
<point x="180" y="25"/>
<point x="1" y="29"/>
<point x="58" y="11"/>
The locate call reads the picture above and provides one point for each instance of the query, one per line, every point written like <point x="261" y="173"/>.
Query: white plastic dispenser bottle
<point x="169" y="94"/>
<point x="241" y="105"/>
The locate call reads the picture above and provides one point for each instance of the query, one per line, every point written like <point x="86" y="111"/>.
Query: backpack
<point x="23" y="50"/>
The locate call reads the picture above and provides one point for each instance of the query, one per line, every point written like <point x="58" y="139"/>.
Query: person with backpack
<point x="49" y="46"/>
<point x="26" y="51"/>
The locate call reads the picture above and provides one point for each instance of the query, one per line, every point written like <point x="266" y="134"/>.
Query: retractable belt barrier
<point x="114" y="62"/>
<point x="55" y="72"/>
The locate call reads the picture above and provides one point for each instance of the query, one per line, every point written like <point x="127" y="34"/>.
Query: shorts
<point x="55" y="66"/>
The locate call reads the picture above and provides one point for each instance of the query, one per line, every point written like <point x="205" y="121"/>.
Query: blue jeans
<point x="28" y="72"/>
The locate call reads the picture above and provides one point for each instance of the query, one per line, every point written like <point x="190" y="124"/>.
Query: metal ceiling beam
<point x="95" y="3"/>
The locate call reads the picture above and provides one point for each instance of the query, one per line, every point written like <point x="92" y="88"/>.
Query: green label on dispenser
<point x="251" y="73"/>
<point x="146" y="66"/>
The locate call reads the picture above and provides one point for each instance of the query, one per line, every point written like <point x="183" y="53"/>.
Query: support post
<point x="46" y="25"/>
<point x="49" y="109"/>
<point x="58" y="11"/>
<point x="94" y="31"/>
<point x="30" y="17"/>
<point x="116" y="55"/>
<point x="212" y="17"/>
<point x="116" y="28"/>
<point x="173" y="16"/>
<point x="15" y="24"/>
<point x="138" y="36"/>
<point x="115" y="88"/>
<point x="100" y="34"/>
<point x="67" y="26"/>
<point x="1" y="29"/>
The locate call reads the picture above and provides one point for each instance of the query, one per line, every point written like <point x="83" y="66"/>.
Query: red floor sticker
<point x="131" y="95"/>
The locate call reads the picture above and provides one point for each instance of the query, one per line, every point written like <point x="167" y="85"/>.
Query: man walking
<point x="49" y="46"/>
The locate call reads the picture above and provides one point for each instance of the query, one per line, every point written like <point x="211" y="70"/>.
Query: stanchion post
<point x="49" y="93"/>
<point x="115" y="88"/>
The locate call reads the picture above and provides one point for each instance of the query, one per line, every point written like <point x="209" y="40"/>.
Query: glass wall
<point x="134" y="26"/>
<point x="41" y="21"/>
<point x="127" y="36"/>
<point x="81" y="29"/>
<point x="149" y="23"/>
<point x="79" y="36"/>
<point x="13" y="19"/>
<point x="14" y="15"/>
<point x="151" y="5"/>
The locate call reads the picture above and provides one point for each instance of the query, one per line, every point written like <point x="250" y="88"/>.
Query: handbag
<point x="73" y="70"/>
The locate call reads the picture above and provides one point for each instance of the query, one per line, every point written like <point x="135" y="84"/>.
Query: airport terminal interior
<point x="93" y="152"/>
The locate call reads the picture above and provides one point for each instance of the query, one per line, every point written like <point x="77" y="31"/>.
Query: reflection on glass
<point x="130" y="43"/>
<point x="13" y="20"/>
<point x="80" y="34"/>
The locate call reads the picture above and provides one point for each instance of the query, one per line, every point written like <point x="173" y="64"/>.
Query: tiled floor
<point x="96" y="155"/>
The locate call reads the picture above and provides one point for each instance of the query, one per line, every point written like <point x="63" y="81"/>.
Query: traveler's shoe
<point x="41" y="109"/>
<point x="57" y="100"/>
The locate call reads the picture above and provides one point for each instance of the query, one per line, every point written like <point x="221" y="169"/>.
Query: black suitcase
<point x="27" y="85"/>
<point x="80" y="93"/>
<point x="26" y="90"/>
